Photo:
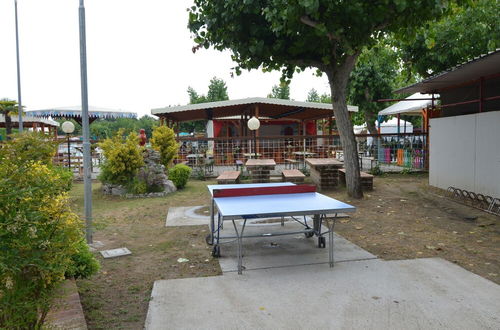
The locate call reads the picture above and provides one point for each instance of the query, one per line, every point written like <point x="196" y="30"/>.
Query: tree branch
<point x="307" y="21"/>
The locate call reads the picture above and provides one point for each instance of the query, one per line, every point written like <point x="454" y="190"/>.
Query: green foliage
<point x="376" y="171"/>
<point x="106" y="128"/>
<point x="39" y="234"/>
<point x="66" y="176"/>
<point x="8" y="108"/>
<point x="137" y="187"/>
<point x="84" y="264"/>
<point x="277" y="34"/>
<point x="179" y="174"/>
<point x="468" y="32"/>
<point x="33" y="146"/>
<point x="217" y="91"/>
<point x="164" y="141"/>
<point x="372" y="79"/>
<point x="123" y="158"/>
<point x="281" y="91"/>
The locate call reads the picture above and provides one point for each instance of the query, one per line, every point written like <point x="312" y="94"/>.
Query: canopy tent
<point x="262" y="107"/>
<point x="30" y="121"/>
<point x="75" y="112"/>
<point x="387" y="127"/>
<point x="412" y="108"/>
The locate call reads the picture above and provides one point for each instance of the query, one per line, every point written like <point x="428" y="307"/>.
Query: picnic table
<point x="249" y="201"/>
<point x="260" y="169"/>
<point x="325" y="172"/>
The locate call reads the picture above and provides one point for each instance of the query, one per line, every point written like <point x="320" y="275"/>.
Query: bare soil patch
<point x="405" y="218"/>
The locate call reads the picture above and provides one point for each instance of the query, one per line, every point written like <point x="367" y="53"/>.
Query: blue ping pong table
<point x="250" y="201"/>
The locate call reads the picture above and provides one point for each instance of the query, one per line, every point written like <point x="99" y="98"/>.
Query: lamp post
<point x="68" y="128"/>
<point x="254" y="124"/>
<point x="87" y="178"/>
<point x="19" y="102"/>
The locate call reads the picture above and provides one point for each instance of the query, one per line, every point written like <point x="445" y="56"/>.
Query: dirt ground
<point x="403" y="218"/>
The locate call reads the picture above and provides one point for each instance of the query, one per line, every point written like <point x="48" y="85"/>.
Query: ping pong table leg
<point x="212" y="225"/>
<point x="239" y="236"/>
<point x="331" y="226"/>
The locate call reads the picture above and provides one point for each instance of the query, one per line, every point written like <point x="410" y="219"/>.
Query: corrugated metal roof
<point x="270" y="107"/>
<point x="480" y="66"/>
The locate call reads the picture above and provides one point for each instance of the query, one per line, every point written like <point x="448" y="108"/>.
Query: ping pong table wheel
<point x="321" y="242"/>
<point x="309" y="234"/>
<point x="216" y="251"/>
<point x="208" y="239"/>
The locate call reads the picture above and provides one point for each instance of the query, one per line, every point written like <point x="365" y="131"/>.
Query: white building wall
<point x="465" y="152"/>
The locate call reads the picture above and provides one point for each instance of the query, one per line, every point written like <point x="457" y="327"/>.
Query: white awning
<point x="408" y="107"/>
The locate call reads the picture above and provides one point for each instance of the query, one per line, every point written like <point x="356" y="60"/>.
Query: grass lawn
<point x="403" y="218"/>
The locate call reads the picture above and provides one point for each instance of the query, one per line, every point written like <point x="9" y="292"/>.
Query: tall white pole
<point x="19" y="102"/>
<point x="87" y="179"/>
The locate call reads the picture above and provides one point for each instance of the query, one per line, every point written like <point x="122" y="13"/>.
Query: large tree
<point x="296" y="34"/>
<point x="373" y="78"/>
<point x="8" y="108"/>
<point x="470" y="31"/>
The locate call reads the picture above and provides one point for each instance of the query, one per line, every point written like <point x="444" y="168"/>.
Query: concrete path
<point x="373" y="294"/>
<point x="282" y="251"/>
<point x="186" y="216"/>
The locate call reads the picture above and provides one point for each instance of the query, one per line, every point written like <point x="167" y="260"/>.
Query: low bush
<point x="179" y="174"/>
<point x="123" y="158"/>
<point x="40" y="236"/>
<point x="84" y="264"/>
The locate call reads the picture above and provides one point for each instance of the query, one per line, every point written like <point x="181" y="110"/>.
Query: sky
<point x="138" y="56"/>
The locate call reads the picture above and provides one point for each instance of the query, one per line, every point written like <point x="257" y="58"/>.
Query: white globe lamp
<point x="254" y="124"/>
<point x="68" y="128"/>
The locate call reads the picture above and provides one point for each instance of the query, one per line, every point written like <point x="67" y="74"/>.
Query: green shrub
<point x="66" y="176"/>
<point x="376" y="170"/>
<point x="30" y="146"/>
<point x="123" y="158"/>
<point x="84" y="264"/>
<point x="179" y="174"/>
<point x="163" y="140"/>
<point x="39" y="233"/>
<point x="137" y="187"/>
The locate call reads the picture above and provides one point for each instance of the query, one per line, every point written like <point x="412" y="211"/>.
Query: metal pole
<point x="87" y="179"/>
<point x="69" y="154"/>
<point x="255" y="144"/>
<point x="19" y="102"/>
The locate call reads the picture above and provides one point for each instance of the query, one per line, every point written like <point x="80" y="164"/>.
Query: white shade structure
<point x="408" y="107"/>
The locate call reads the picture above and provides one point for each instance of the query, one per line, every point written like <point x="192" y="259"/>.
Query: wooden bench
<point x="229" y="177"/>
<point x="293" y="175"/>
<point x="366" y="179"/>
<point x="291" y="163"/>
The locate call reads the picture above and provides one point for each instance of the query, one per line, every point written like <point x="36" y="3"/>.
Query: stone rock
<point x="118" y="191"/>
<point x="153" y="173"/>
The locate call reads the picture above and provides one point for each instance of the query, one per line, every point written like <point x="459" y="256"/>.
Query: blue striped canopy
<point x="76" y="112"/>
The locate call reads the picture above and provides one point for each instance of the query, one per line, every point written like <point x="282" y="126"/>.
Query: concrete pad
<point x="374" y="294"/>
<point x="283" y="251"/>
<point x="186" y="216"/>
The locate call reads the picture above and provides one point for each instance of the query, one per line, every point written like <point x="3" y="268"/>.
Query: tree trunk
<point x="8" y="125"/>
<point x="338" y="78"/>
<point x="370" y="122"/>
